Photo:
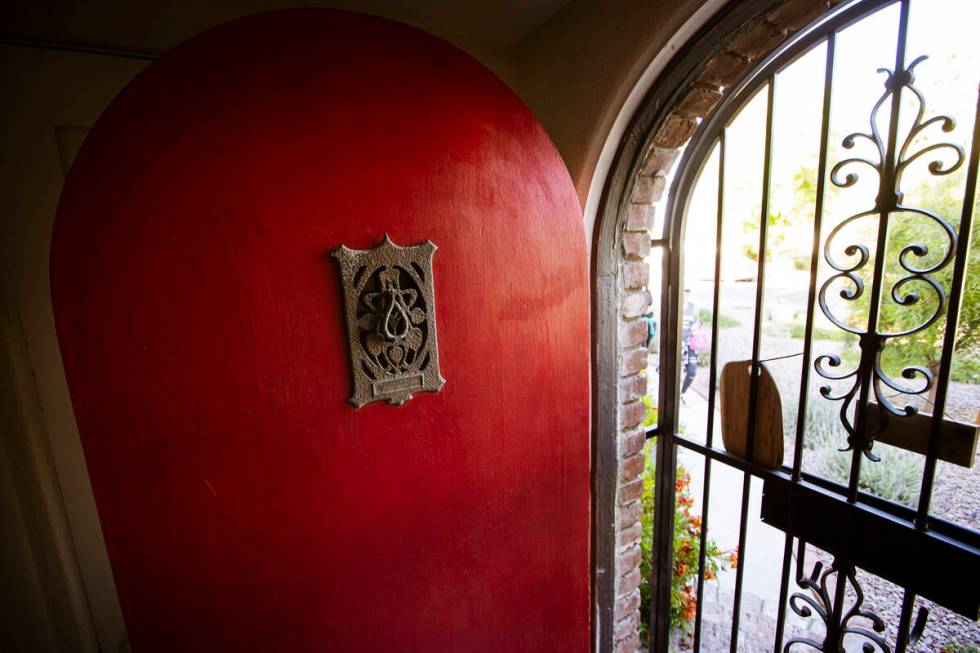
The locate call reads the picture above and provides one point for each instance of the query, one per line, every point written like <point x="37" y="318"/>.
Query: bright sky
<point x="945" y="30"/>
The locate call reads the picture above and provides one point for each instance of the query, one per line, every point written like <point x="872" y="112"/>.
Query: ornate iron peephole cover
<point x="389" y="306"/>
<point x="894" y="157"/>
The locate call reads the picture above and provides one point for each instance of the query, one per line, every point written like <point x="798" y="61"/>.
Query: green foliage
<point x="777" y="230"/>
<point x="944" y="198"/>
<point x="798" y="331"/>
<point x="686" y="549"/>
<point x="724" y="321"/>
<point x="925" y="348"/>
<point x="801" y="262"/>
<point x="966" y="368"/>
<point x="895" y="477"/>
<point x="957" y="647"/>
<point x="652" y="415"/>
<point x="820" y="429"/>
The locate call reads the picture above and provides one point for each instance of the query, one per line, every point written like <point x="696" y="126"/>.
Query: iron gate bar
<point x="760" y="282"/>
<point x="833" y="633"/>
<point x="815" y="253"/>
<point x="712" y="390"/>
<point x="783" y="588"/>
<point x="755" y="368"/>
<point x="904" y="621"/>
<point x="880" y="543"/>
<point x="952" y="321"/>
<point x="662" y="548"/>
<point x="740" y="570"/>
<point x="900" y="513"/>
<point x="828" y="84"/>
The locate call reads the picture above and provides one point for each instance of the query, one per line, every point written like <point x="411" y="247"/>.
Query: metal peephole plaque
<point x="390" y="310"/>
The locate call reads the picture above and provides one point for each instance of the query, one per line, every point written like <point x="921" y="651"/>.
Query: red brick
<point x="635" y="304"/>
<point x="632" y="332"/>
<point x="635" y="360"/>
<point x="632" y="414"/>
<point x="636" y="245"/>
<point x="757" y="40"/>
<point x="636" y="274"/>
<point x="639" y="217"/>
<point x="628" y="583"/>
<point x="629" y="645"/>
<point x="633" y="387"/>
<point x="628" y="560"/>
<point x="675" y="131"/>
<point x="630" y="491"/>
<point x="659" y="159"/>
<point x="632" y="467"/>
<point x="629" y="515"/>
<point x="629" y="536"/>
<point x="631" y="443"/>
<point x="648" y="188"/>
<point x="626" y="627"/>
<point x="724" y="69"/>
<point x="794" y="14"/>
<point x="627" y="605"/>
<point x="699" y="101"/>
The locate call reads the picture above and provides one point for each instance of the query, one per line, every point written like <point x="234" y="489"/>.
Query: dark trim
<point x="20" y="42"/>
<point x="606" y="262"/>
<point x="605" y="474"/>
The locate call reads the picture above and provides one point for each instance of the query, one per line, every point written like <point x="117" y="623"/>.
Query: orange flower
<point x="709" y="574"/>
<point x="690" y="610"/>
<point x="733" y="558"/>
<point x="696" y="522"/>
<point x="685" y="500"/>
<point x="680" y="569"/>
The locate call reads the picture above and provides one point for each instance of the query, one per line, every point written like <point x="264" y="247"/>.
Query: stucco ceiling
<point x="157" y="25"/>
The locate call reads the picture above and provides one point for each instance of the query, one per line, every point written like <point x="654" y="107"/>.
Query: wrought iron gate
<point x="876" y="400"/>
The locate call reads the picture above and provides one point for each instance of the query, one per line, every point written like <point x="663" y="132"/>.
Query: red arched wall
<point x="246" y="505"/>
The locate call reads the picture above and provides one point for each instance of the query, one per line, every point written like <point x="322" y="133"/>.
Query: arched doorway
<point x="738" y="244"/>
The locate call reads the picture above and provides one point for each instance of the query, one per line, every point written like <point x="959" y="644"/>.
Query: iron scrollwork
<point x="893" y="161"/>
<point x="817" y="600"/>
<point x="389" y="303"/>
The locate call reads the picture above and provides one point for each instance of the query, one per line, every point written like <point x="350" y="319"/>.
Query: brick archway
<point x="693" y="85"/>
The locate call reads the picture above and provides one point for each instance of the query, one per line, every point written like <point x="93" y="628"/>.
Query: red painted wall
<point x="246" y="505"/>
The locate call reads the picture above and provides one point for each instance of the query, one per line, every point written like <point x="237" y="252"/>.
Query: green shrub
<point x="801" y="262"/>
<point x="966" y="367"/>
<point x="724" y="321"/>
<point x="821" y="429"/>
<point x="798" y="331"/>
<point x="895" y="477"/>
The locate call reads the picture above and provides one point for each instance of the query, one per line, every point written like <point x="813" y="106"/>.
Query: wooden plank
<point x="958" y="444"/>
<point x="768" y="449"/>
